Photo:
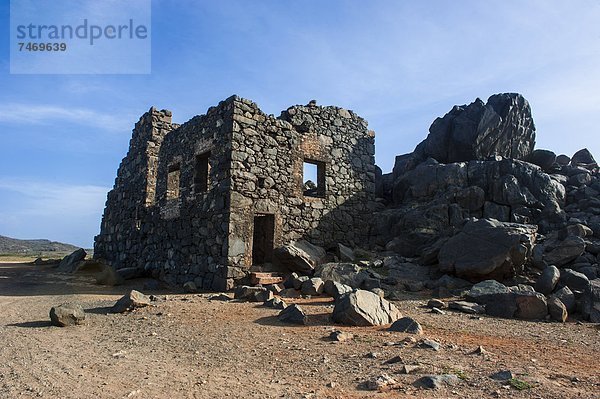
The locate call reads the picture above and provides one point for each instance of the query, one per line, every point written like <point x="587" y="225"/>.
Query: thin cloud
<point x="39" y="114"/>
<point x="60" y="212"/>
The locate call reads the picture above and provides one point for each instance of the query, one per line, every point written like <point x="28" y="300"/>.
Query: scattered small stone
<point x="466" y="307"/>
<point x="503" y="375"/>
<point x="341" y="336"/>
<point x="67" y="314"/>
<point x="220" y="297"/>
<point x="132" y="300"/>
<point x="430" y="344"/>
<point x="190" y="287"/>
<point x="436" y="303"/>
<point x="395" y="359"/>
<point x="292" y="314"/>
<point x="372" y="355"/>
<point x="436" y="381"/>
<point x="407" y="341"/>
<point x="407" y="325"/>
<point x="379" y="382"/>
<point x="275" y="303"/>
<point x="479" y="351"/>
<point x="409" y="368"/>
<point x="437" y="311"/>
<point x="331" y="385"/>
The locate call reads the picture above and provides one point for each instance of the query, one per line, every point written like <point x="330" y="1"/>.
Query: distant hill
<point x="14" y="246"/>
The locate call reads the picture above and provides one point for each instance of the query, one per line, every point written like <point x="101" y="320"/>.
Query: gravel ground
<point x="190" y="347"/>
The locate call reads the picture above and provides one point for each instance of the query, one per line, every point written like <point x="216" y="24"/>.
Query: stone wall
<point x="267" y="176"/>
<point x="165" y="217"/>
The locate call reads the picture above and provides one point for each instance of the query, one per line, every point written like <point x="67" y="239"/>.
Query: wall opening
<point x="173" y="182"/>
<point x="313" y="178"/>
<point x="201" y="172"/>
<point x="263" y="239"/>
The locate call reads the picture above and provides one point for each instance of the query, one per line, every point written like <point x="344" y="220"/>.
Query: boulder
<point x="547" y="280"/>
<point x="496" y="250"/>
<point x="545" y="159"/>
<point x="557" y="309"/>
<point x="591" y="302"/>
<point x="343" y="273"/>
<point x="335" y="289"/>
<point x="564" y="251"/>
<point x="504" y="126"/>
<point x="486" y="291"/>
<point x="70" y="262"/>
<point x="407" y="325"/>
<point x="574" y="280"/>
<point x="567" y="297"/>
<point x="530" y="306"/>
<point x="498" y="299"/>
<point x="563" y="160"/>
<point x="299" y="256"/>
<point x="252" y="294"/>
<point x="313" y="286"/>
<point x="292" y="314"/>
<point x="67" y="314"/>
<point x="132" y="300"/>
<point x="364" y="308"/>
<point x="583" y="158"/>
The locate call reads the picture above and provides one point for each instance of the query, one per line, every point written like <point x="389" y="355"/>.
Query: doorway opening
<point x="263" y="239"/>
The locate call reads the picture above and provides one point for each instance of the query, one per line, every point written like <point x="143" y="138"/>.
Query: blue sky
<point x="399" y="64"/>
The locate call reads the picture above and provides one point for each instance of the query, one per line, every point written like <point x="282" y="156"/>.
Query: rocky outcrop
<point x="487" y="249"/>
<point x="502" y="126"/>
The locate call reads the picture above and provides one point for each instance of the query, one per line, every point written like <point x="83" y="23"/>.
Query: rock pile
<point x="477" y="201"/>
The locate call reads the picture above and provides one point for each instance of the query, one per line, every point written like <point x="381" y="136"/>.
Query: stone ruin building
<point x="207" y="200"/>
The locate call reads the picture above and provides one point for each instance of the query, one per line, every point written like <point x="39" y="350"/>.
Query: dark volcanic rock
<point x="567" y="297"/>
<point x="487" y="249"/>
<point x="292" y="314"/>
<point x="583" y="157"/>
<point x="547" y="281"/>
<point x="564" y="251"/>
<point x="545" y="159"/>
<point x="591" y="302"/>
<point x="67" y="314"/>
<point x="406" y="325"/>
<point x="70" y="262"/>
<point x="503" y="126"/>
<point x="574" y="280"/>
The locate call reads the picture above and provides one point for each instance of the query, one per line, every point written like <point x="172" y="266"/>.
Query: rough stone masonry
<point x="206" y="200"/>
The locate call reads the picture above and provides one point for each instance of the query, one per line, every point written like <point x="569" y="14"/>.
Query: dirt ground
<point x="189" y="347"/>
